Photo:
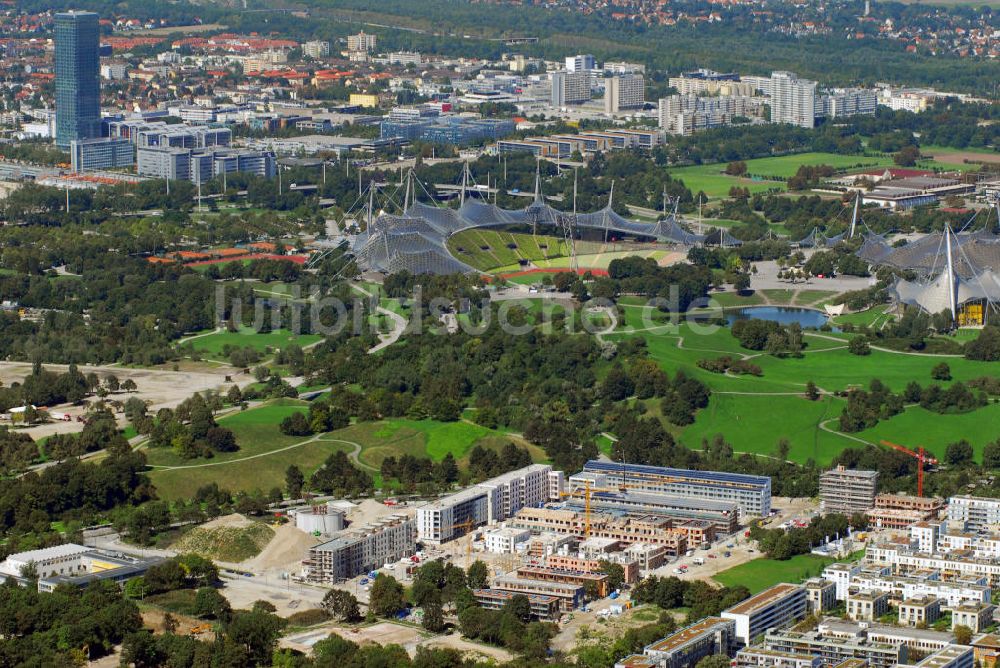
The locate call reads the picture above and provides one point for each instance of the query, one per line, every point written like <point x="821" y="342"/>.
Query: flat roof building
<point x="847" y="491"/>
<point x="359" y="550"/>
<point x="751" y="493"/>
<point x="774" y="607"/>
<point x="544" y="608"/>
<point x="493" y="500"/>
<point x="685" y="648"/>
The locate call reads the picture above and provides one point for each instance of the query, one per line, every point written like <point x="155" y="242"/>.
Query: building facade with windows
<point x="777" y="606"/>
<point x="625" y="91"/>
<point x="100" y="153"/>
<point x="359" y="550"/>
<point x="78" y="77"/>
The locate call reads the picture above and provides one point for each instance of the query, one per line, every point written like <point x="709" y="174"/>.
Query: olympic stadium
<point x="415" y="239"/>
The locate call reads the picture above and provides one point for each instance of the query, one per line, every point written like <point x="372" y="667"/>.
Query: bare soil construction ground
<point x="161" y="388"/>
<point x="387" y="633"/>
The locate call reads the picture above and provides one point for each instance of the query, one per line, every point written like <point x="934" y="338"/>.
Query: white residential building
<point x="793" y="100"/>
<point x="774" y="607"/>
<point x="581" y="63"/>
<point x="974" y="512"/>
<point x="505" y="540"/>
<point x="361" y="42"/>
<point x="493" y="500"/>
<point x="841" y="575"/>
<point x="316" y="49"/>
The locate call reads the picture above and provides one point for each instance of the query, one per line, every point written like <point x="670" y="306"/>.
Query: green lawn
<point x="759" y="574"/>
<point x="265" y="453"/>
<point x="766" y="173"/>
<point x="212" y="345"/>
<point x="755" y="424"/>
<point x="917" y="426"/>
<point x="753" y="413"/>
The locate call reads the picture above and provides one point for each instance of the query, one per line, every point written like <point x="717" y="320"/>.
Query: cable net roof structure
<point x="816" y="239"/>
<point x="874" y="249"/>
<point x="973" y="253"/>
<point x="416" y="239"/>
<point x="944" y="292"/>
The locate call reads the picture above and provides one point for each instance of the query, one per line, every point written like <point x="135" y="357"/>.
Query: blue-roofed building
<point x="751" y="493"/>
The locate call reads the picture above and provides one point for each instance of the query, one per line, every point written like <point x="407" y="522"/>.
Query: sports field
<point x="766" y="173"/>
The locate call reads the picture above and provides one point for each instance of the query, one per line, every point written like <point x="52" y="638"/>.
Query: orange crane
<point x="587" y="491"/>
<point x="921" y="457"/>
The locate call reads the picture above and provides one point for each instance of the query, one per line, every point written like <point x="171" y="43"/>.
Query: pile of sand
<point x="285" y="551"/>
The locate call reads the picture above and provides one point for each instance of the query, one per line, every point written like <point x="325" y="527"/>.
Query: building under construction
<point x="847" y="491"/>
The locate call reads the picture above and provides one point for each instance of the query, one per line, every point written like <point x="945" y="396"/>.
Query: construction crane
<point x="468" y="525"/>
<point x="588" y="490"/>
<point x="921" y="457"/>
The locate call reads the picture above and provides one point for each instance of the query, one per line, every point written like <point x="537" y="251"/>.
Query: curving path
<point x="399" y="323"/>
<point x="353" y="455"/>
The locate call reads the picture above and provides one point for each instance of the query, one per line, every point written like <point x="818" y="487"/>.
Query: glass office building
<point x="78" y="83"/>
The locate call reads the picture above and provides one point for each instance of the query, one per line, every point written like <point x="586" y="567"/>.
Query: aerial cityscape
<point x="469" y="333"/>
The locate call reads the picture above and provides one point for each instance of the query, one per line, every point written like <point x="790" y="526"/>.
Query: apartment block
<point x="751" y="493"/>
<point x="951" y="592"/>
<point x="316" y="49"/>
<point x="975" y="615"/>
<point x="793" y="100"/>
<point x="821" y="594"/>
<point x="684" y="649"/>
<point x="867" y="606"/>
<point x="362" y="42"/>
<point x="593" y="579"/>
<point x="505" y="540"/>
<point x="974" y="512"/>
<point x="847" y="491"/>
<point x="723" y="516"/>
<point x="905" y="560"/>
<point x="360" y="550"/>
<point x="760" y="657"/>
<point x="832" y="649"/>
<point x="493" y="500"/>
<point x="953" y="656"/>
<point x="899" y="511"/>
<point x="543" y="608"/>
<point x="626" y="91"/>
<point x="570" y="87"/>
<point x="774" y="607"/>
<point x="581" y="63"/>
<point x="630" y="568"/>
<point x="919" y="611"/>
<point x="571" y="596"/>
<point x="650" y="530"/>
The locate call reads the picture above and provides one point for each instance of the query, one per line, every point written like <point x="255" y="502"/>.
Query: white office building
<point x="581" y="63"/>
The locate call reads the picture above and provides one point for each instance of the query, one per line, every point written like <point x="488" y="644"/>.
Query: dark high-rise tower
<point x="78" y="83"/>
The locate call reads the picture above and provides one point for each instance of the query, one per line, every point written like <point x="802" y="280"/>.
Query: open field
<point x="711" y="180"/>
<point x="212" y="344"/>
<point x="954" y="156"/>
<point x="760" y="574"/>
<point x="754" y="413"/>
<point x="265" y="453"/>
<point x="769" y="173"/>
